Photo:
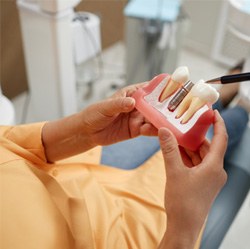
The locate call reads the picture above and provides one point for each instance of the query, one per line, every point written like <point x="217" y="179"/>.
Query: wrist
<point x="178" y="238"/>
<point x="171" y="241"/>
<point x="65" y="137"/>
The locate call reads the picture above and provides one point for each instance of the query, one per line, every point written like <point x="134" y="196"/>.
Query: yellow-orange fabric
<point x="74" y="203"/>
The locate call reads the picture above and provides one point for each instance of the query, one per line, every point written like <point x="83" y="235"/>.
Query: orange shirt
<point x="73" y="203"/>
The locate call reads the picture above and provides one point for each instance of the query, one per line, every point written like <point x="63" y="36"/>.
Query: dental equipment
<point x="227" y="79"/>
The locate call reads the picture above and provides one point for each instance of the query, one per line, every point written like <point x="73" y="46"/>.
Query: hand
<point x="106" y="122"/>
<point x="190" y="192"/>
<point x="115" y="119"/>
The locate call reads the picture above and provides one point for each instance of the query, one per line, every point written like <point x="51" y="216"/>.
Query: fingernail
<point x="128" y="103"/>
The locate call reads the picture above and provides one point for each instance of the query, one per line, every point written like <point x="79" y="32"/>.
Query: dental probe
<point x="180" y="95"/>
<point x="227" y="79"/>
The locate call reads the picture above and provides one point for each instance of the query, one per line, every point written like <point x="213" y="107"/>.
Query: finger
<point x="185" y="158"/>
<point x="194" y="156"/>
<point x="135" y="87"/>
<point x="204" y="149"/>
<point x="148" y="130"/>
<point x="136" y="120"/>
<point x="170" y="149"/>
<point x="129" y="90"/>
<point x="219" y="141"/>
<point x="115" y="106"/>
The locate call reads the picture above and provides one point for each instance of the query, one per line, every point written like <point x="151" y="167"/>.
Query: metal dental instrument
<point x="227" y="79"/>
<point x="180" y="95"/>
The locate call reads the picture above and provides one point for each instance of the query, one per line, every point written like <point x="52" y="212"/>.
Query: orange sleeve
<point x="22" y="141"/>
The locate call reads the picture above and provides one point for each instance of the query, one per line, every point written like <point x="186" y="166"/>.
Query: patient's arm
<point x="107" y="122"/>
<point x="193" y="181"/>
<point x="64" y="138"/>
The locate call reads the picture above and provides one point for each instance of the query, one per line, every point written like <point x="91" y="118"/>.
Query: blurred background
<point x="58" y="56"/>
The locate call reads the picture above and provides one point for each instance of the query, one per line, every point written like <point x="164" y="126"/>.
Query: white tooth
<point x="196" y="104"/>
<point x="181" y="74"/>
<point x="205" y="91"/>
<point x="184" y="105"/>
<point x="202" y="94"/>
<point x="178" y="78"/>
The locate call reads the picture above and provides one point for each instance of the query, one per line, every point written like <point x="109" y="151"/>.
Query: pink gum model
<point x="189" y="135"/>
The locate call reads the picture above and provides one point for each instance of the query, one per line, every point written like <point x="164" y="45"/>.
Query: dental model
<point x="201" y="94"/>
<point x="178" y="78"/>
<point x="190" y="119"/>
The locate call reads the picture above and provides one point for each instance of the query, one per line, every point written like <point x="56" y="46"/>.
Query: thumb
<point x="115" y="106"/>
<point x="170" y="149"/>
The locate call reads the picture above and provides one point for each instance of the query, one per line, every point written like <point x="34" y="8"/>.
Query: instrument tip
<point x="216" y="80"/>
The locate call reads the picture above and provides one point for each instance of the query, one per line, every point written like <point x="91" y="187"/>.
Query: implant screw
<point x="180" y="95"/>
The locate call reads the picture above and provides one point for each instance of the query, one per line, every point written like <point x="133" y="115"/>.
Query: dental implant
<point x="180" y="95"/>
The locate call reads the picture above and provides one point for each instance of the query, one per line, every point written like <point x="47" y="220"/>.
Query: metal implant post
<point x="180" y="95"/>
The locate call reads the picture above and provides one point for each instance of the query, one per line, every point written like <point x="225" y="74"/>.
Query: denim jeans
<point x="132" y="153"/>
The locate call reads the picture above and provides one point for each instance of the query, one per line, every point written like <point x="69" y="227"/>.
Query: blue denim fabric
<point x="240" y="156"/>
<point x="131" y="153"/>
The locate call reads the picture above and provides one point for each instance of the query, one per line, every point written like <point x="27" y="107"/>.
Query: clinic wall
<point x="13" y="77"/>
<point x="12" y="68"/>
<point x="111" y="15"/>
<point x="203" y="18"/>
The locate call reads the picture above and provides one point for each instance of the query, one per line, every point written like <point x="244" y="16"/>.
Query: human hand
<point x="193" y="181"/>
<point x="103" y="123"/>
<point x="115" y="119"/>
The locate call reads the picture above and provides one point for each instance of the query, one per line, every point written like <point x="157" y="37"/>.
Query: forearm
<point x="65" y="137"/>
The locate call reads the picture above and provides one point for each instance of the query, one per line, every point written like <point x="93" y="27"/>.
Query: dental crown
<point x="205" y="92"/>
<point x="181" y="74"/>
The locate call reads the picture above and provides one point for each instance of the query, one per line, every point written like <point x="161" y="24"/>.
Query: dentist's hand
<point x="193" y="181"/>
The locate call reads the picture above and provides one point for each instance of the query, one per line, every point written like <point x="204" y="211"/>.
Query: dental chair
<point x="230" y="199"/>
<point x="7" y="110"/>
